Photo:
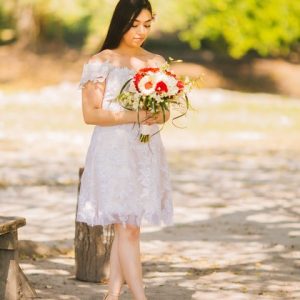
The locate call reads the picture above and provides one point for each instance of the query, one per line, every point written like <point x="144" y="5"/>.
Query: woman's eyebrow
<point x="137" y="20"/>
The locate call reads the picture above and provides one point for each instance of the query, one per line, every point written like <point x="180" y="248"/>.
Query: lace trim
<point x="98" y="71"/>
<point x="95" y="72"/>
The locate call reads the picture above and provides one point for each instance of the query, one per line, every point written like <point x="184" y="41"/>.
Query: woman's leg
<point x="129" y="254"/>
<point x="116" y="278"/>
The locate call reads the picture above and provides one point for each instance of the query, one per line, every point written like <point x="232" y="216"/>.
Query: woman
<point x="124" y="180"/>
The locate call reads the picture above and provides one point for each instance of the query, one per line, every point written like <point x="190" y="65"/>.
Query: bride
<point x="124" y="181"/>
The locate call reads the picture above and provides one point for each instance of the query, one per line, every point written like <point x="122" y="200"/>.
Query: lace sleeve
<point x="95" y="72"/>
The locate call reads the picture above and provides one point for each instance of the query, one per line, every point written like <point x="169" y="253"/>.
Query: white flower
<point x="135" y="101"/>
<point x="170" y="81"/>
<point x="147" y="85"/>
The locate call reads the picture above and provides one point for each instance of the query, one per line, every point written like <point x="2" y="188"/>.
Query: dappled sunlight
<point x="234" y="157"/>
<point x="235" y="176"/>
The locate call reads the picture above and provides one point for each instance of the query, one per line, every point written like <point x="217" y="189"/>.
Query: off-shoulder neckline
<point x="113" y="66"/>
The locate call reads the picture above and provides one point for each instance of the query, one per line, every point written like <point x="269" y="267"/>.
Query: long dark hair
<point x="122" y="20"/>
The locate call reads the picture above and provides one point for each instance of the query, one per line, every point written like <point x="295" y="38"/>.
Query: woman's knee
<point x="131" y="232"/>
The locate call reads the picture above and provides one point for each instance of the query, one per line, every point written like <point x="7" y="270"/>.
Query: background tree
<point x="235" y="27"/>
<point x="269" y="27"/>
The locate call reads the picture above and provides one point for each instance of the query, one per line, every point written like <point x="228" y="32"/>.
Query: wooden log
<point x="92" y="248"/>
<point x="26" y="291"/>
<point x="8" y="270"/>
<point x="8" y="224"/>
<point x="13" y="283"/>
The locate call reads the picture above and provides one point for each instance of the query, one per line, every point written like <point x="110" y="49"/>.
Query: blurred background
<point x="244" y="45"/>
<point x="235" y="168"/>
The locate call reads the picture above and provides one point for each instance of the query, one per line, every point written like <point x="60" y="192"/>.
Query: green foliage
<point x="266" y="26"/>
<point x="6" y="23"/>
<point x="76" y="22"/>
<point x="269" y="27"/>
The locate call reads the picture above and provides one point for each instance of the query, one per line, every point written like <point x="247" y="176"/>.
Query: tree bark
<point x="92" y="248"/>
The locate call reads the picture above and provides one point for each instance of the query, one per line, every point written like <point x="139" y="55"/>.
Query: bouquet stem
<point x="144" y="138"/>
<point x="145" y="133"/>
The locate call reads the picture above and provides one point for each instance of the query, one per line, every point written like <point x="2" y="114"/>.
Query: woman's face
<point x="139" y="31"/>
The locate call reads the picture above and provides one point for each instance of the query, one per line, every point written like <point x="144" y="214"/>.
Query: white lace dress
<point x="124" y="181"/>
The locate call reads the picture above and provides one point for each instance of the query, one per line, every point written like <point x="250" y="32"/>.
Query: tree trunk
<point x="92" y="249"/>
<point x="27" y="26"/>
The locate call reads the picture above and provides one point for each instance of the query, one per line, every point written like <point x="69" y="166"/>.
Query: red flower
<point x="180" y="85"/>
<point x="161" y="87"/>
<point x="145" y="70"/>
<point x="136" y="79"/>
<point x="170" y="74"/>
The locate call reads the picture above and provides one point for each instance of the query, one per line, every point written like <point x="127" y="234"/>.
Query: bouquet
<point x="155" y="90"/>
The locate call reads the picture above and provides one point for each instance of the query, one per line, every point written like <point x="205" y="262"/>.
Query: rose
<point x="180" y="85"/>
<point x="161" y="87"/>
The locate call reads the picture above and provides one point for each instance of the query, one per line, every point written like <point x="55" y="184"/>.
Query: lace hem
<point x="166" y="217"/>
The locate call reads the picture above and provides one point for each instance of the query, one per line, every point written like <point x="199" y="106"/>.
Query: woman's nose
<point x="141" y="29"/>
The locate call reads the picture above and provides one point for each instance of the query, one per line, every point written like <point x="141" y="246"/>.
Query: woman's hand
<point x="157" y="118"/>
<point x="142" y="116"/>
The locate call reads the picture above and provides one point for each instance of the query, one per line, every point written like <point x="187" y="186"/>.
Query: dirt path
<point x="236" y="234"/>
<point x="236" y="198"/>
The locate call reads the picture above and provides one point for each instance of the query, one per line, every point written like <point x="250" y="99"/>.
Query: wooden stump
<point x="13" y="283"/>
<point x="92" y="248"/>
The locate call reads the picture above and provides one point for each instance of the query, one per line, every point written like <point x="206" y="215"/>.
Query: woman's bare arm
<point x="93" y="114"/>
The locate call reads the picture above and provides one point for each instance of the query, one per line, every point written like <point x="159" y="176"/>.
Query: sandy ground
<point x="235" y="176"/>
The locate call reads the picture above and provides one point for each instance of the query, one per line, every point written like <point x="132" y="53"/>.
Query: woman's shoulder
<point x="109" y="56"/>
<point x="154" y="57"/>
<point x="95" y="69"/>
<point x="101" y="57"/>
